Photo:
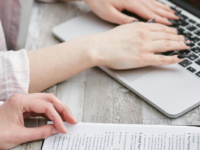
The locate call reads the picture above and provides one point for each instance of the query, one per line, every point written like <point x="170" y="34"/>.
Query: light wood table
<point x="93" y="96"/>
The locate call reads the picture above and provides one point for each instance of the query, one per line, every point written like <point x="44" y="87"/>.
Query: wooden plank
<point x="107" y="101"/>
<point x="72" y="94"/>
<point x="127" y="105"/>
<point x="34" y="27"/>
<point x="153" y="116"/>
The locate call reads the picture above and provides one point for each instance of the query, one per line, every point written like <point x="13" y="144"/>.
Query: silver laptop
<point x="172" y="89"/>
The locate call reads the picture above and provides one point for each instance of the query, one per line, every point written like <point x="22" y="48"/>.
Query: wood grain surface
<point x="92" y="96"/>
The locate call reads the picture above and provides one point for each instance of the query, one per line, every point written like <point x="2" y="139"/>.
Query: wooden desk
<point x="93" y="96"/>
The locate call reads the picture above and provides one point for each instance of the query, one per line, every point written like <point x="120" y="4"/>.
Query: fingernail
<point x="54" y="131"/>
<point x="75" y="119"/>
<point x="172" y="21"/>
<point x="173" y="8"/>
<point x="182" y="56"/>
<point x="135" y="21"/>
<point x="189" y="43"/>
<point x="151" y="21"/>
<point x="176" y="8"/>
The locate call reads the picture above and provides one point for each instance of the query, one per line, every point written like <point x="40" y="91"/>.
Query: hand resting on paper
<point x="20" y="106"/>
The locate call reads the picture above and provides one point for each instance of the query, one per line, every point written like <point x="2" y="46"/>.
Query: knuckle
<point x="181" y="37"/>
<point x="16" y="95"/>
<point x="161" y="60"/>
<point x="168" y="44"/>
<point x="141" y="47"/>
<point x="15" y="98"/>
<point x="52" y="95"/>
<point x="49" y="106"/>
<point x="141" y="24"/>
<point x="44" y="134"/>
<point x="141" y="34"/>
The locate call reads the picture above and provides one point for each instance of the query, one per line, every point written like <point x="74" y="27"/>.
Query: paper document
<point x="93" y="136"/>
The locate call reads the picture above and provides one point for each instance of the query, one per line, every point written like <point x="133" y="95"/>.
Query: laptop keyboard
<point x="191" y="30"/>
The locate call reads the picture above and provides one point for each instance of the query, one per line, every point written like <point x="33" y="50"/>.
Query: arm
<point x="125" y="47"/>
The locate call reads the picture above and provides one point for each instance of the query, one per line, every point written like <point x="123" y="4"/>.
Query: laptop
<point x="172" y="89"/>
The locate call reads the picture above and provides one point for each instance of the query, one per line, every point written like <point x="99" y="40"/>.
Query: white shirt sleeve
<point x="1" y="103"/>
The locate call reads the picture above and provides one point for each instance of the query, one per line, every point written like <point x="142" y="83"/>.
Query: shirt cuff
<point x="1" y="103"/>
<point x="14" y="73"/>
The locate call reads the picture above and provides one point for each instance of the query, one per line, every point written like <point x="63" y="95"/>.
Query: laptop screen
<point x="195" y="3"/>
<point x="193" y="6"/>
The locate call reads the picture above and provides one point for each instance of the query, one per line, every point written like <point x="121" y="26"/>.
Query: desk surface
<point x="93" y="96"/>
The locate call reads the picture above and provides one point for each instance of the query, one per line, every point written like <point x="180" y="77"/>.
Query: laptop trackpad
<point x="133" y="74"/>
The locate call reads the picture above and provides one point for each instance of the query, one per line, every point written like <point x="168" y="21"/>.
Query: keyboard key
<point x="192" y="21"/>
<point x="191" y="69"/>
<point x="198" y="62"/>
<point x="192" y="56"/>
<point x="195" y="39"/>
<point x="198" y="24"/>
<point x="197" y="32"/>
<point x="187" y="34"/>
<point x="182" y="23"/>
<point x="185" y="63"/>
<point x="189" y="43"/>
<point x="196" y="50"/>
<point x="175" y="8"/>
<point x="191" y="28"/>
<point x="198" y="74"/>
<point x="183" y="17"/>
<point x="180" y="30"/>
<point x="184" y="52"/>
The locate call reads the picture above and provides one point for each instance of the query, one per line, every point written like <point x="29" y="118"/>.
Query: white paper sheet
<point x="91" y="136"/>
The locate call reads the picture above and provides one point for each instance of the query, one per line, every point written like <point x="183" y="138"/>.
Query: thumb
<point x="43" y="132"/>
<point x="119" y="18"/>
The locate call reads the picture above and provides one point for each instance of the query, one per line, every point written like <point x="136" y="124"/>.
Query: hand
<point x="12" y="114"/>
<point x="136" y="45"/>
<point x="110" y="10"/>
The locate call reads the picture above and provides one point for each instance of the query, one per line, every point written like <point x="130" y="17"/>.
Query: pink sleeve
<point x="10" y="12"/>
<point x="14" y="70"/>
<point x="14" y="73"/>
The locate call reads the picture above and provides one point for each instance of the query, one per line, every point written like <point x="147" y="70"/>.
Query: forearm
<point x="52" y="65"/>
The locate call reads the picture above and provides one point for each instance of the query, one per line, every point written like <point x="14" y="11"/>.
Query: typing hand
<point x="19" y="106"/>
<point x="137" y="45"/>
<point x="110" y="10"/>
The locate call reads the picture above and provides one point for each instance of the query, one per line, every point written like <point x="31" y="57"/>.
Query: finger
<point x="117" y="17"/>
<point x="166" y="45"/>
<point x="61" y="108"/>
<point x="166" y="36"/>
<point x="33" y="134"/>
<point x="160" y="11"/>
<point x="40" y="106"/>
<point x="163" y="20"/>
<point x="163" y="6"/>
<point x="147" y="13"/>
<point x="158" y="60"/>
<point x="159" y="27"/>
<point x="166" y="14"/>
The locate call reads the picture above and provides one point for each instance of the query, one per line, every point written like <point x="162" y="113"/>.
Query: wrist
<point x="92" y="51"/>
